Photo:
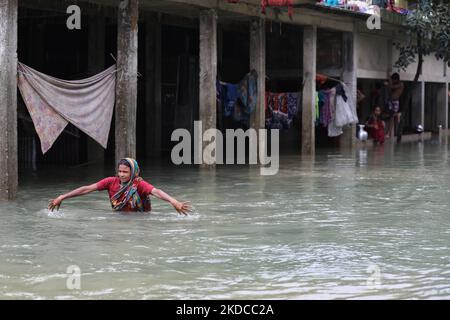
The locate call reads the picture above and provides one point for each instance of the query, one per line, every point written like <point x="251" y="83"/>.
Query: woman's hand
<point x="182" y="207"/>
<point x="55" y="203"/>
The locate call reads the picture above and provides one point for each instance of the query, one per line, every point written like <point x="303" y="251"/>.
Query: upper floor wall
<point x="376" y="57"/>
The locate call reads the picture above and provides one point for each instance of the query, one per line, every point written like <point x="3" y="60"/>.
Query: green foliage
<point x="427" y="32"/>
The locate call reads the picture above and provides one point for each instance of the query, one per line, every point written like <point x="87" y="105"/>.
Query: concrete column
<point x="418" y="104"/>
<point x="446" y="105"/>
<point x="442" y="105"/>
<point x="309" y="89"/>
<point x="422" y="103"/>
<point x="96" y="64"/>
<point x="258" y="62"/>
<point x="348" y="138"/>
<point x="153" y="85"/>
<point x="208" y="75"/>
<point x="126" y="87"/>
<point x="8" y="99"/>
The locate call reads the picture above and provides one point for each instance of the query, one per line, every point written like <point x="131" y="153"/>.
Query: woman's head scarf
<point x="128" y="192"/>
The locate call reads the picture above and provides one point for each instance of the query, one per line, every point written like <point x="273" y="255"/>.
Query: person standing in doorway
<point x="396" y="88"/>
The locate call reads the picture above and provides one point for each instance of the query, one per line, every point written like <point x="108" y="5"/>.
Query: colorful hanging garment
<point x="239" y="100"/>
<point x="281" y="109"/>
<point x="248" y="91"/>
<point x="278" y="3"/>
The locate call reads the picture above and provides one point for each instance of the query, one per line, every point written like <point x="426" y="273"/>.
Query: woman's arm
<point x="56" y="203"/>
<point x="181" y="207"/>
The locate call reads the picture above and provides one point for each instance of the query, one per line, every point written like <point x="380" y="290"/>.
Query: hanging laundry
<point x="239" y="100"/>
<point x="341" y="91"/>
<point x="327" y="96"/>
<point x="278" y="3"/>
<point x="332" y="103"/>
<point x="248" y="91"/>
<point x="229" y="97"/>
<point x="281" y="109"/>
<point x="316" y="106"/>
<point x="321" y="78"/>
<point x="335" y="109"/>
<point x="333" y="130"/>
<point x="293" y="101"/>
<point x="322" y="100"/>
<point x="52" y="103"/>
<point x="345" y="110"/>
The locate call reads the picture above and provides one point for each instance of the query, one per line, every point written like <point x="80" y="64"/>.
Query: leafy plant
<point x="427" y="32"/>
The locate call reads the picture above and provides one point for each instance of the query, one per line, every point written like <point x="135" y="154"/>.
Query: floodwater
<point x="372" y="224"/>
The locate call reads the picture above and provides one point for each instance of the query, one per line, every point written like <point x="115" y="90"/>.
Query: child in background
<point x="375" y="126"/>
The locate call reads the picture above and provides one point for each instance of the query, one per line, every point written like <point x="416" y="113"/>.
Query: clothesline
<point x="31" y="75"/>
<point x="330" y="78"/>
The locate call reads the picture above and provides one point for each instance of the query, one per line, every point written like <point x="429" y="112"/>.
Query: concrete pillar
<point x="258" y="62"/>
<point x="348" y="138"/>
<point x="8" y="99"/>
<point x="309" y="89"/>
<point x="418" y="104"/>
<point x="126" y="87"/>
<point x="96" y="64"/>
<point x="153" y="85"/>
<point x="442" y="105"/>
<point x="208" y="75"/>
<point x="446" y="101"/>
<point x="422" y="103"/>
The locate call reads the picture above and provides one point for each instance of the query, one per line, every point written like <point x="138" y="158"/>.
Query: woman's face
<point x="377" y="111"/>
<point x="124" y="173"/>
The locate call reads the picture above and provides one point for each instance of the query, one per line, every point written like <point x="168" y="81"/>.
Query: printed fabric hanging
<point x="239" y="100"/>
<point x="52" y="103"/>
<point x="278" y="3"/>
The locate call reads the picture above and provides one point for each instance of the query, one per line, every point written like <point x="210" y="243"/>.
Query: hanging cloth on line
<point x="281" y="108"/>
<point x="239" y="100"/>
<point x="278" y="3"/>
<point x="52" y="103"/>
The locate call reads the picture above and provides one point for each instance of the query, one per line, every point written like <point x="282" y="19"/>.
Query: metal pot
<point x="362" y="134"/>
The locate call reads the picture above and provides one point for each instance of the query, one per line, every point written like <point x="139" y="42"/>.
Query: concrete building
<point x="172" y="51"/>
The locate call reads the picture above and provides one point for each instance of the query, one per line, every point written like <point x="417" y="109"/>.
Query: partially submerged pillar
<point x="258" y="63"/>
<point x="8" y="99"/>
<point x="96" y="64"/>
<point x="348" y="138"/>
<point x="126" y="86"/>
<point x="207" y="84"/>
<point x="153" y="106"/>
<point x="442" y="105"/>
<point x="309" y="89"/>
<point x="418" y="104"/>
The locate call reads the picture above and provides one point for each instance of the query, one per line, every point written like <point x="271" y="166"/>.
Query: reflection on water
<point x="316" y="230"/>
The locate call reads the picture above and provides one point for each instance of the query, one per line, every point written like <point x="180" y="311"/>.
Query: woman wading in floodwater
<point x="127" y="191"/>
